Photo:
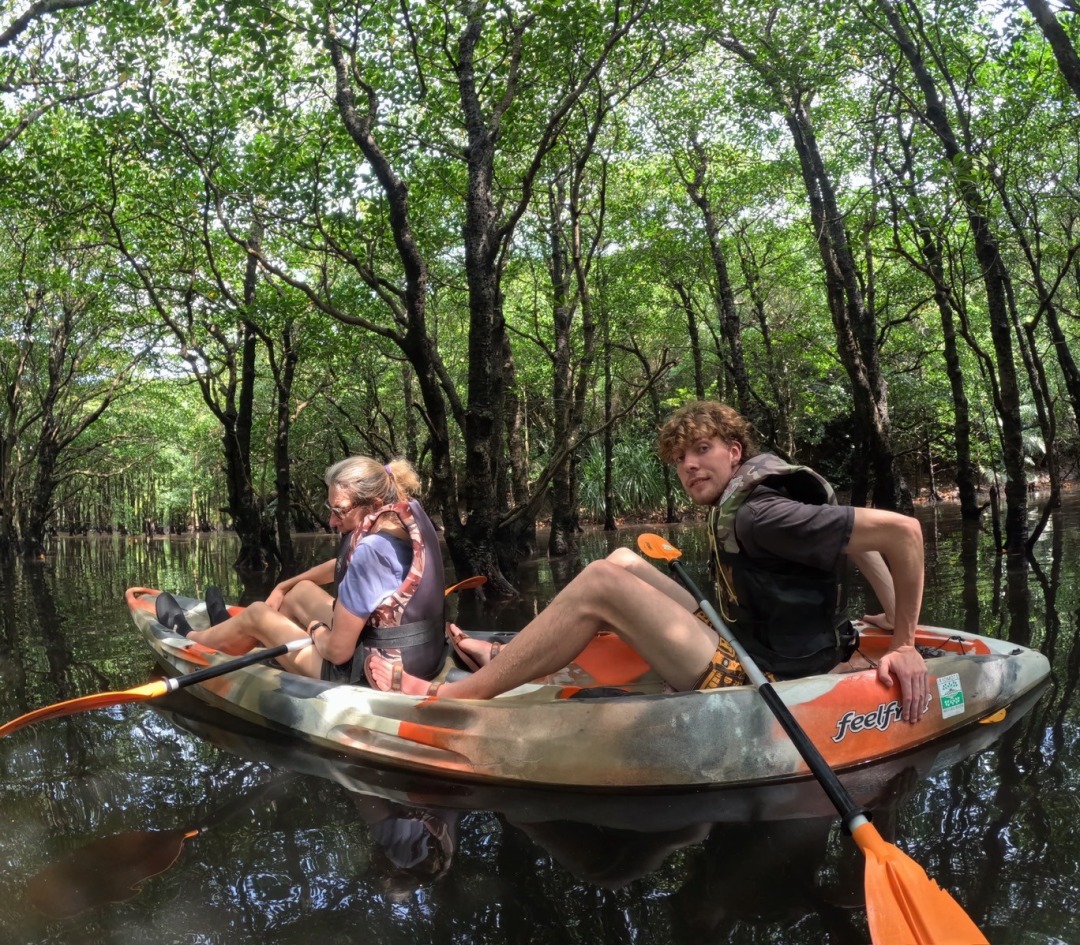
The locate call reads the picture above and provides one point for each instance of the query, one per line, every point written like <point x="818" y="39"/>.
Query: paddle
<point x="161" y="687"/>
<point x="111" y="869"/>
<point x="903" y="905"/>
<point x="477" y="580"/>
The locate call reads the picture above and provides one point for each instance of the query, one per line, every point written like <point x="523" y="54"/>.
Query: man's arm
<point x="876" y="571"/>
<point x="898" y="539"/>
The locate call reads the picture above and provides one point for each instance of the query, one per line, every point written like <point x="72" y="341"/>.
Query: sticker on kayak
<point x="951" y="695"/>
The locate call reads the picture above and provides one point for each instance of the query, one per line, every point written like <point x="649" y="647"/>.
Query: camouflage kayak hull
<point x="546" y="734"/>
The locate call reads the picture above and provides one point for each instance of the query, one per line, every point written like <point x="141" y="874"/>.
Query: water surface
<point x="294" y="847"/>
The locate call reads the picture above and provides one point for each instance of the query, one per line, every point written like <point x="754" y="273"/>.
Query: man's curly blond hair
<point x="700" y="420"/>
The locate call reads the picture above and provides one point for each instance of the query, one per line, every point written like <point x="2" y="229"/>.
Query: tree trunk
<point x="854" y="324"/>
<point x="484" y="416"/>
<point x="687" y="302"/>
<point x="723" y="294"/>
<point x="1070" y="372"/>
<point x="564" y="518"/>
<point x="245" y="508"/>
<point x="995" y="279"/>
<point x="778" y="429"/>
<point x="966" y="480"/>
<point x="609" y="440"/>
<point x="415" y="341"/>
<point x="1060" y="43"/>
<point x="40" y="504"/>
<point x="283" y="511"/>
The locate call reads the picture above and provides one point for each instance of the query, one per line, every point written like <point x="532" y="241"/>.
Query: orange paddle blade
<point x="107" y="870"/>
<point x="477" y="580"/>
<point x="97" y="700"/>
<point x="903" y="905"/>
<point x="656" y="547"/>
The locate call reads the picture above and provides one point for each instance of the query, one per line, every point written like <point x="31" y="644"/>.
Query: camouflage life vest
<point x="788" y="616"/>
<point x="409" y="618"/>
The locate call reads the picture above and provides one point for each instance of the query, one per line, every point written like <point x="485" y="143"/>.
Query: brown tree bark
<point x="686" y="301"/>
<point x="931" y="262"/>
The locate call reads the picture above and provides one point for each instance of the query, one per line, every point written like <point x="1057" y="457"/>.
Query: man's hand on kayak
<point x="906" y="665"/>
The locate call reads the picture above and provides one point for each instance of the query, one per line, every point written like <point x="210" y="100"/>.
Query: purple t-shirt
<point x="773" y="528"/>
<point x="377" y="568"/>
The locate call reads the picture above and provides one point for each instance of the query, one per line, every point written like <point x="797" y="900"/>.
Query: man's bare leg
<point x="480" y="650"/>
<point x="605" y="596"/>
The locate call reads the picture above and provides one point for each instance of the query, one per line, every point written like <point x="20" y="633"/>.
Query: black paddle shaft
<point x="819" y="767"/>
<point x="211" y="672"/>
<point x="830" y="783"/>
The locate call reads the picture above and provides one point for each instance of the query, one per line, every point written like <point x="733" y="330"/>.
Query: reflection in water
<point x="345" y="851"/>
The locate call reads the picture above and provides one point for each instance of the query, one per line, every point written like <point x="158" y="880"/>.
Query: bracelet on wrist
<point x="315" y="626"/>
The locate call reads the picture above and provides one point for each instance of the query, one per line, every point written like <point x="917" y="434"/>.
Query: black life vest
<point x="789" y="617"/>
<point x="411" y="618"/>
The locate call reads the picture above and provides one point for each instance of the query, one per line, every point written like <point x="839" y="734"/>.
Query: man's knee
<point x="604" y="578"/>
<point x="301" y="589"/>
<point x="625" y="558"/>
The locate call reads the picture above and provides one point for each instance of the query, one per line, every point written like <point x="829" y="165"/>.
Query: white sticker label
<point x="951" y="695"/>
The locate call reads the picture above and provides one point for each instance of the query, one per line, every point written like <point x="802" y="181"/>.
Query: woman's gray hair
<point x="367" y="480"/>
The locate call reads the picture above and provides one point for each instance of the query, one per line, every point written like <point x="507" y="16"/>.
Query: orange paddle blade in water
<point x="108" y="870"/>
<point x="97" y="700"/>
<point x="904" y="906"/>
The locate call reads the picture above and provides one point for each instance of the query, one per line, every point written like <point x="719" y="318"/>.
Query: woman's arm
<point x="336" y="642"/>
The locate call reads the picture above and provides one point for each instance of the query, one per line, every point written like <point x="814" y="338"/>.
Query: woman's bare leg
<point x="259" y="625"/>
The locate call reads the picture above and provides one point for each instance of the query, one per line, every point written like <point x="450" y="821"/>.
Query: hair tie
<point x="387" y="468"/>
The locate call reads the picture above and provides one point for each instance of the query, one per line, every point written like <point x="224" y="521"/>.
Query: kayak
<point x="606" y="722"/>
<point x="878" y="787"/>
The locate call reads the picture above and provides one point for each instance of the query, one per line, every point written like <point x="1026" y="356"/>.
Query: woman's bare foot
<point x="474" y="653"/>
<point x="385" y="674"/>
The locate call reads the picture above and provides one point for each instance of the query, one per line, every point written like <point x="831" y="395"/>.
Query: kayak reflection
<point x="742" y="852"/>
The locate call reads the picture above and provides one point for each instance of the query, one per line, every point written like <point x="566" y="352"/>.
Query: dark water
<point x="294" y="848"/>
